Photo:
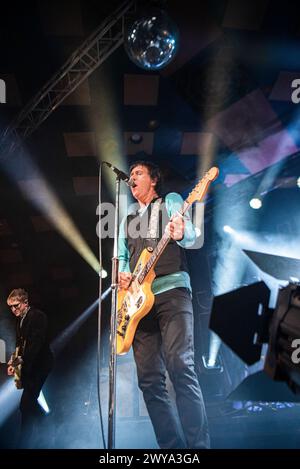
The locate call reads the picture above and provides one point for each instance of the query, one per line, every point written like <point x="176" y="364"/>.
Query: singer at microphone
<point x="121" y="175"/>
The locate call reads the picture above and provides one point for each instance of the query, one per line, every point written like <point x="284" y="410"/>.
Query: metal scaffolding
<point x="94" y="51"/>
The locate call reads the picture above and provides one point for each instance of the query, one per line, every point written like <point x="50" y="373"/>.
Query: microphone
<point x="121" y="175"/>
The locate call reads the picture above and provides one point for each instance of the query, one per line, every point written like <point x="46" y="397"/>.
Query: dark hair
<point x="153" y="170"/>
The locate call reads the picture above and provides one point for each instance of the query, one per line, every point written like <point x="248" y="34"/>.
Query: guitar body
<point x="133" y="304"/>
<point x="16" y="362"/>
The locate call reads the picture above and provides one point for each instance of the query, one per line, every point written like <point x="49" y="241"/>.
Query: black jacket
<point x="32" y="336"/>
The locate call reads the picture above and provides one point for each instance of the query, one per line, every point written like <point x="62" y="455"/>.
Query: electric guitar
<point x="136" y="301"/>
<point x="16" y="362"/>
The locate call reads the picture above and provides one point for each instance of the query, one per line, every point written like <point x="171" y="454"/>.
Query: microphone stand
<point x="113" y="326"/>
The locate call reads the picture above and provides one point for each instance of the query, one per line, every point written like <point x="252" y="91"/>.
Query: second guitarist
<point x="164" y="337"/>
<point x="36" y="356"/>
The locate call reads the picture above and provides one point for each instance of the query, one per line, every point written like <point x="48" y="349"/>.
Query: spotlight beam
<point x="40" y="194"/>
<point x="59" y="342"/>
<point x="37" y="191"/>
<point x="9" y="400"/>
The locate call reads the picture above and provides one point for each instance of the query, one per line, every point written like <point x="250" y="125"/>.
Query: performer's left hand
<point x="176" y="228"/>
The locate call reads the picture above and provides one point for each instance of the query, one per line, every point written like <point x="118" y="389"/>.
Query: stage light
<point x="255" y="203"/>
<point x="43" y="403"/>
<point x="212" y="365"/>
<point x="284" y="333"/>
<point x="261" y="324"/>
<point x="153" y="124"/>
<point x="228" y="229"/>
<point x="151" y="40"/>
<point x="103" y="273"/>
<point x="214" y="347"/>
<point x="298" y="182"/>
<point x="136" y="138"/>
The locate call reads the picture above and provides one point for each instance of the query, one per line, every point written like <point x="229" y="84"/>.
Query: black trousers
<point x="164" y="341"/>
<point x="31" y="412"/>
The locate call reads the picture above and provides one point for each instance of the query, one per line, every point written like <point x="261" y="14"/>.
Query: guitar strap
<point x="153" y="227"/>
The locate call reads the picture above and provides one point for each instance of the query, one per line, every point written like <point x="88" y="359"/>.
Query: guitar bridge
<point x="124" y="326"/>
<point x="139" y="302"/>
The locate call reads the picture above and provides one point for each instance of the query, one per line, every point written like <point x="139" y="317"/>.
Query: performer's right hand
<point x="124" y="280"/>
<point x="10" y="370"/>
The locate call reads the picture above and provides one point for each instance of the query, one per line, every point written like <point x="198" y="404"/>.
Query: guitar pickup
<point x="139" y="302"/>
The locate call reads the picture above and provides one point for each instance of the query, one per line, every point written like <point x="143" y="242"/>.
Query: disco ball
<point x="151" y="40"/>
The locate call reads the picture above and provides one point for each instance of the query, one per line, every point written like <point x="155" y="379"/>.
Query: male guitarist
<point x="36" y="357"/>
<point x="164" y="337"/>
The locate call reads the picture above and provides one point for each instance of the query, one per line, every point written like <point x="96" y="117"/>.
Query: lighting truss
<point x="92" y="53"/>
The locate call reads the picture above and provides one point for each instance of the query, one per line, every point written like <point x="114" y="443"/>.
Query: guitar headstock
<point x="199" y="191"/>
<point x="212" y="174"/>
